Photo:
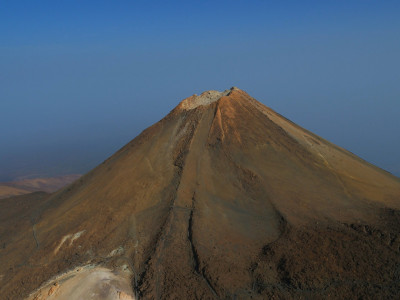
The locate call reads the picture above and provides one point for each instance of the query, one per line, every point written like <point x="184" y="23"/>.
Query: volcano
<point x="222" y="199"/>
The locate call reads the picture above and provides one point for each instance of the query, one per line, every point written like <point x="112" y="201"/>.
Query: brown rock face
<point x="223" y="198"/>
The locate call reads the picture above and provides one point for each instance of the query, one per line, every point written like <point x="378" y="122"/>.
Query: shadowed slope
<point x="221" y="198"/>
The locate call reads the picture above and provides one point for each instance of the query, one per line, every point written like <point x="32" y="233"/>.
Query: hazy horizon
<point x="80" y="80"/>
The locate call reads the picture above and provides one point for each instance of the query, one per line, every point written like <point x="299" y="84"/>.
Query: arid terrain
<point x="25" y="186"/>
<point x="222" y="199"/>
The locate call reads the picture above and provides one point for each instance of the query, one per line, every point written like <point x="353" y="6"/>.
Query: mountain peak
<point x="204" y="98"/>
<point x="223" y="198"/>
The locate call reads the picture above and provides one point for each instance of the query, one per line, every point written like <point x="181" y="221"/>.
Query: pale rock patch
<point x="120" y="250"/>
<point x="87" y="282"/>
<point x="71" y="238"/>
<point x="205" y="98"/>
<point x="124" y="296"/>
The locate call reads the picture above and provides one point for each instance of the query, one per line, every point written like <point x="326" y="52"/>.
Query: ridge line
<point x="178" y="162"/>
<point x="195" y="254"/>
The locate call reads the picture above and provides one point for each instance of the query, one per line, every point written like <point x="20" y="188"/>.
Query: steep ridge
<point x="223" y="198"/>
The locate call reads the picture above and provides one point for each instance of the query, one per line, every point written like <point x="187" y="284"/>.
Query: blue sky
<point x="79" y="79"/>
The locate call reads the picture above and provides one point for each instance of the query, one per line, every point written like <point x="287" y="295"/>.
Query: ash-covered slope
<point x="222" y="198"/>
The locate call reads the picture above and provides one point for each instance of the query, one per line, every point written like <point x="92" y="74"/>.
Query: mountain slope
<point x="221" y="198"/>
